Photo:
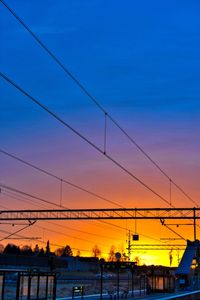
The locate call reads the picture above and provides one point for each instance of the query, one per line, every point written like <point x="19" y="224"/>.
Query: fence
<point x="27" y="285"/>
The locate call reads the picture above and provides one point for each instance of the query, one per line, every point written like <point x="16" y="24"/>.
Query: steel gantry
<point x="99" y="214"/>
<point x="161" y="214"/>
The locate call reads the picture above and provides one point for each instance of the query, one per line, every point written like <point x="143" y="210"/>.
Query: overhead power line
<point x="18" y="236"/>
<point x="67" y="182"/>
<point x="43" y="242"/>
<point x="94" y="100"/>
<point x="57" y="232"/>
<point x="8" y="237"/>
<point x="81" y="86"/>
<point x="59" y="178"/>
<point x="69" y="236"/>
<point x="55" y="116"/>
<point x="21" y="198"/>
<point x="13" y="196"/>
<point x="17" y="231"/>
<point x="68" y="228"/>
<point x="53" y="56"/>
<point x="25" y="196"/>
<point x="29" y="195"/>
<point x="10" y="192"/>
<point x="22" y="193"/>
<point x="176" y="233"/>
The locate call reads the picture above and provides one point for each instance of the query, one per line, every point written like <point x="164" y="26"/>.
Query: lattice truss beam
<point x="101" y="214"/>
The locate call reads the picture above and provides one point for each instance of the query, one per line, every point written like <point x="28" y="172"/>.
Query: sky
<point x="140" y="61"/>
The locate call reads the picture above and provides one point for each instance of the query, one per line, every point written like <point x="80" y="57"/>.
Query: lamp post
<point x="118" y="256"/>
<point x="101" y="278"/>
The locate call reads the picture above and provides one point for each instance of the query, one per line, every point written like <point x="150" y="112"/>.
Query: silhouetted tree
<point x="64" y="251"/>
<point x="26" y="250"/>
<point x="59" y="251"/>
<point x="170" y="257"/>
<point x="122" y="251"/>
<point x="67" y="251"/>
<point x="124" y="257"/>
<point x="96" y="251"/>
<point x="36" y="250"/>
<point x="11" y="249"/>
<point x="112" y="253"/>
<point x="41" y="253"/>
<point x="137" y="260"/>
<point x="48" y="249"/>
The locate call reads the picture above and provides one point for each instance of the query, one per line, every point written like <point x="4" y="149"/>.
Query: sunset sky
<point x="140" y="60"/>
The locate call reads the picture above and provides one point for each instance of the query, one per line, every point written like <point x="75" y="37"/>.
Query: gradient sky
<point x="140" y="59"/>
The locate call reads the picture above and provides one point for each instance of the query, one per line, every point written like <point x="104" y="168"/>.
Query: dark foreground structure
<point x="31" y="278"/>
<point x="27" y="285"/>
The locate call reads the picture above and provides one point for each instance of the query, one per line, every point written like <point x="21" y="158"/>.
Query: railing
<point x="26" y="285"/>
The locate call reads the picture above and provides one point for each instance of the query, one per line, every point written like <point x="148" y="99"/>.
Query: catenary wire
<point x="39" y="199"/>
<point x="33" y="197"/>
<point x="83" y="137"/>
<point x="13" y="196"/>
<point x="22" y="193"/>
<point x="44" y="228"/>
<point x="18" y="236"/>
<point x="96" y="102"/>
<point x="21" y="198"/>
<point x="79" y="230"/>
<point x="93" y="98"/>
<point x="43" y="242"/>
<point x="17" y="231"/>
<point x="175" y="232"/>
<point x="30" y="195"/>
<point x="37" y="205"/>
<point x="67" y="235"/>
<point x="9" y="194"/>
<point x="59" y="178"/>
<point x="51" y="230"/>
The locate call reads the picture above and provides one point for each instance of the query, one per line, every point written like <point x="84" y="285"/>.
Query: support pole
<point x="194" y="217"/>
<point x="118" y="266"/>
<point x="101" y="281"/>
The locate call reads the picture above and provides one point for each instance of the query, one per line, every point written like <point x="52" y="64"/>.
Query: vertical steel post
<point x="101" y="281"/>
<point x="194" y="217"/>
<point x="118" y="265"/>
<point x="54" y="287"/>
<point x="82" y="291"/>
<point x="3" y="286"/>
<point x="18" y="286"/>
<point x="132" y="283"/>
<point x="47" y="285"/>
<point x="38" y="286"/>
<point x="29" y="287"/>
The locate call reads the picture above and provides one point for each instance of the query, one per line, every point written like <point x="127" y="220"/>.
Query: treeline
<point x="65" y="251"/>
<point x="36" y="251"/>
